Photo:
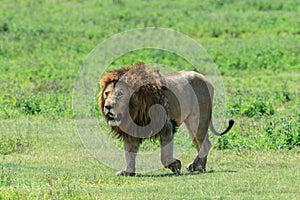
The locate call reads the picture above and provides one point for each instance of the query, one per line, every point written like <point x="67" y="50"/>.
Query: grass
<point x="255" y="45"/>
<point x="59" y="167"/>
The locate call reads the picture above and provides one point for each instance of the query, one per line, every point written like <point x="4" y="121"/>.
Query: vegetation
<point x="255" y="45"/>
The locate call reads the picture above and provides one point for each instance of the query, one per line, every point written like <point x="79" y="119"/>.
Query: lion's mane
<point x="148" y="86"/>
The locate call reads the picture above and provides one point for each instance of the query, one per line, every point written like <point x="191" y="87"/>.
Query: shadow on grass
<point x="183" y="174"/>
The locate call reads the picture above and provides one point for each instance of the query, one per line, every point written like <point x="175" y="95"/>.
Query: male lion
<point x="140" y="103"/>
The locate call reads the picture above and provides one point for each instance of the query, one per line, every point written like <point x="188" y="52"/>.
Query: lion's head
<point x="129" y="100"/>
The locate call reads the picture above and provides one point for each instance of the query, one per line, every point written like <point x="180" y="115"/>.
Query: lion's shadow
<point x="160" y="175"/>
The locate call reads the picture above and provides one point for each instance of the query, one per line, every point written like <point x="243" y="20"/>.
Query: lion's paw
<point x="175" y="166"/>
<point x="195" y="168"/>
<point x="124" y="173"/>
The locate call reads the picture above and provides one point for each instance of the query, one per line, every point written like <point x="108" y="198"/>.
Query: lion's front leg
<point x="166" y="145"/>
<point x="131" y="147"/>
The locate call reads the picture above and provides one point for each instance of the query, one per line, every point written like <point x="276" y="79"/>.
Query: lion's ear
<point x="107" y="78"/>
<point x="110" y="77"/>
<point x="102" y="84"/>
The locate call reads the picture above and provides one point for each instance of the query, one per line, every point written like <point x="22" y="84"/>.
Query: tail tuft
<point x="230" y="122"/>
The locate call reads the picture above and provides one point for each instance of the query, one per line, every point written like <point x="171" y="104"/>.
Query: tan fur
<point x="184" y="97"/>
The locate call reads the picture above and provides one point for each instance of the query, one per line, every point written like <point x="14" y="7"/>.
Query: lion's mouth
<point x="114" y="120"/>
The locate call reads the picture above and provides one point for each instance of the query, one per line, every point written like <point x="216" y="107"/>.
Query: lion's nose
<point x="108" y="107"/>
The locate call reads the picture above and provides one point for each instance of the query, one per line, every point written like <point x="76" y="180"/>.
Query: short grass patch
<point x="59" y="167"/>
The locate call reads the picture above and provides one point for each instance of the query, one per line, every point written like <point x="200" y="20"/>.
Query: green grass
<point x="255" y="45"/>
<point x="59" y="167"/>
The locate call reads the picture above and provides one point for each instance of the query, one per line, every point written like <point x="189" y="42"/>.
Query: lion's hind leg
<point x="198" y="133"/>
<point x="199" y="163"/>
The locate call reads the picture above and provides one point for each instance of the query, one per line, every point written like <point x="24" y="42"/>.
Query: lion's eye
<point x="106" y="94"/>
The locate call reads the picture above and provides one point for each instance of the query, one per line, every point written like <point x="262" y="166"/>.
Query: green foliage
<point x="255" y="108"/>
<point x="13" y="144"/>
<point x="29" y="106"/>
<point x="283" y="133"/>
<point x="40" y="55"/>
<point x="276" y="54"/>
<point x="272" y="133"/>
<point x="258" y="108"/>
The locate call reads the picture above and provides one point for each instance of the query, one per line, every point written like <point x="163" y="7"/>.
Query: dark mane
<point x="147" y="85"/>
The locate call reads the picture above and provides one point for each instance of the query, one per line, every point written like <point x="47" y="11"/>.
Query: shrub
<point x="13" y="144"/>
<point x="29" y="106"/>
<point x="257" y="108"/>
<point x="285" y="133"/>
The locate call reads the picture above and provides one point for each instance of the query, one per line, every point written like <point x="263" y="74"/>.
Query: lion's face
<point x="116" y="98"/>
<point x="132" y="100"/>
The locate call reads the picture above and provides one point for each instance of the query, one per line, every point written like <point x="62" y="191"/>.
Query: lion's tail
<point x="212" y="128"/>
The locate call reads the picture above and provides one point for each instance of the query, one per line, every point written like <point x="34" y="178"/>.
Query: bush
<point x="257" y="108"/>
<point x="283" y="133"/>
<point x="13" y="144"/>
<point x="29" y="106"/>
<point x="251" y="107"/>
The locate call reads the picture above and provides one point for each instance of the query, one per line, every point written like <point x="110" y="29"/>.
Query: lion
<point x="139" y="103"/>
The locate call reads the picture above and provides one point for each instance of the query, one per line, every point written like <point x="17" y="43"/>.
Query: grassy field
<point x="255" y="45"/>
<point x="57" y="166"/>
